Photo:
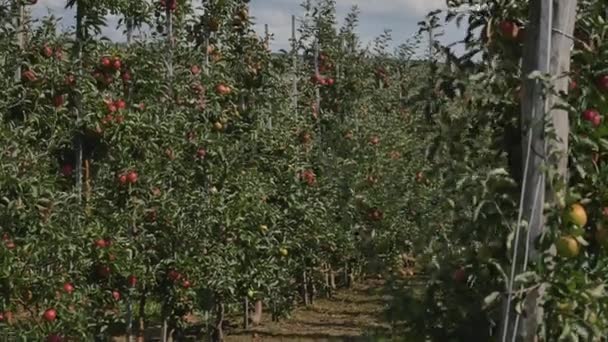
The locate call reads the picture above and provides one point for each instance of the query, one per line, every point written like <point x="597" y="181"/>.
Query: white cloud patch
<point x="405" y="8"/>
<point x="399" y="15"/>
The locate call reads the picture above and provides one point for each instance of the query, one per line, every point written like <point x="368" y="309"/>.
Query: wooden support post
<point x="246" y="313"/>
<point x="305" y="287"/>
<point x="20" y="18"/>
<point x="169" y="27"/>
<point x="266" y="36"/>
<point x="547" y="49"/>
<point x="294" y="52"/>
<point x="316" y="63"/>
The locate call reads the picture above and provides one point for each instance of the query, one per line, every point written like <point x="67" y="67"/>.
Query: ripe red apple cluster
<point x="129" y="177"/>
<point x="172" y="4"/>
<point x="103" y="243"/>
<point x="223" y="89"/>
<point x="175" y="276"/>
<point x="48" y="52"/>
<point x="108" y="66"/>
<point x="593" y="116"/>
<point x="322" y="80"/>
<point x="325" y="64"/>
<point x="309" y="177"/>
<point x="113" y="107"/>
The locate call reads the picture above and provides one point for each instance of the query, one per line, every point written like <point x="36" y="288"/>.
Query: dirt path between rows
<point x="354" y="314"/>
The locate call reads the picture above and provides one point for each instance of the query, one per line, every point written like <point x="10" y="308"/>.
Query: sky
<point x="400" y="16"/>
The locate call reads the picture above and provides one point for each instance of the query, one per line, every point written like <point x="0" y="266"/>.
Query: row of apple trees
<point x="480" y="152"/>
<point x="189" y="168"/>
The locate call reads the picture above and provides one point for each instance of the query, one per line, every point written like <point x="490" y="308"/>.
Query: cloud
<point x="400" y="16"/>
<point x="403" y="8"/>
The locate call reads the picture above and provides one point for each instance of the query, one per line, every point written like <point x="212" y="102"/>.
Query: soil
<point x="355" y="314"/>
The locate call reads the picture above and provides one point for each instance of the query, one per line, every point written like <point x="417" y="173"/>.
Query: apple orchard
<point x="174" y="179"/>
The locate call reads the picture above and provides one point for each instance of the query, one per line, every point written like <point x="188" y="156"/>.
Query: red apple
<point x="602" y="83"/>
<point x="29" y="76"/>
<point x="59" y="53"/>
<point x="459" y="275"/>
<point x="201" y="153"/>
<point x="141" y="106"/>
<point x="116" y="63"/>
<point x="317" y="78"/>
<point x="50" y="315"/>
<point x="122" y="179"/>
<point x="67" y="170"/>
<point x="132" y="280"/>
<point x="10" y="244"/>
<point x="70" y="80"/>
<point x="223" y="89"/>
<point x="173" y="275"/>
<point x="58" y="101"/>
<point x="195" y="69"/>
<point x="111" y="107"/>
<point x="116" y="295"/>
<point x="126" y="76"/>
<point x="596" y="121"/>
<point x="103" y="271"/>
<point x="186" y="284"/>
<point x="374" y="140"/>
<point x="68" y="288"/>
<point x="132" y="177"/>
<point x="101" y="243"/>
<point x="509" y="29"/>
<point x="105" y="62"/>
<point x="54" y="338"/>
<point x="590" y="113"/>
<point x="120" y="104"/>
<point x="330" y="81"/>
<point x="47" y="51"/>
<point x="107" y="119"/>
